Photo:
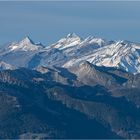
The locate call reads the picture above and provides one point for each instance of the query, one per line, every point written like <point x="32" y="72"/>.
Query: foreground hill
<point x="62" y="103"/>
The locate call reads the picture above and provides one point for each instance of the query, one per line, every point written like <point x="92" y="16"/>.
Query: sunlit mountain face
<point x="71" y="51"/>
<point x="73" y="89"/>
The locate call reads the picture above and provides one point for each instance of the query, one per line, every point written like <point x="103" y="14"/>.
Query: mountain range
<point x="72" y="50"/>
<point x="74" y="88"/>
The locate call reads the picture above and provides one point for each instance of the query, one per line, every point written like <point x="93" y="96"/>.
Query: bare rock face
<point x="90" y="75"/>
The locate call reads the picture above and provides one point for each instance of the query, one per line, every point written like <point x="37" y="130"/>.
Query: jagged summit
<point x="72" y="35"/>
<point x="70" y="40"/>
<point x="25" y="44"/>
<point x="27" y="40"/>
<point x="95" y="40"/>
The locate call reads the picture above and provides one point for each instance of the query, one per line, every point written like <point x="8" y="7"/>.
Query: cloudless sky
<point x="49" y="21"/>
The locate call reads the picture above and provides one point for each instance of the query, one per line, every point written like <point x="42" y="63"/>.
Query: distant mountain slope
<point x="57" y="103"/>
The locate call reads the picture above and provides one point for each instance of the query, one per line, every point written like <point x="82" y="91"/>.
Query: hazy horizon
<point x="47" y="22"/>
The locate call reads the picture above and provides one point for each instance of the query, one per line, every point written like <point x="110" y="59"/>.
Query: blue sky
<point x="49" y="21"/>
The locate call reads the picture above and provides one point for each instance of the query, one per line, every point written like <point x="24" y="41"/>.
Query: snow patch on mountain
<point x="5" y="66"/>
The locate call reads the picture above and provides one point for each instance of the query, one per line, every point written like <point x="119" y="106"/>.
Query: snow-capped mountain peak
<point x="70" y="40"/>
<point x="26" y="41"/>
<point x="95" y="40"/>
<point x="25" y="45"/>
<point x="72" y="35"/>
